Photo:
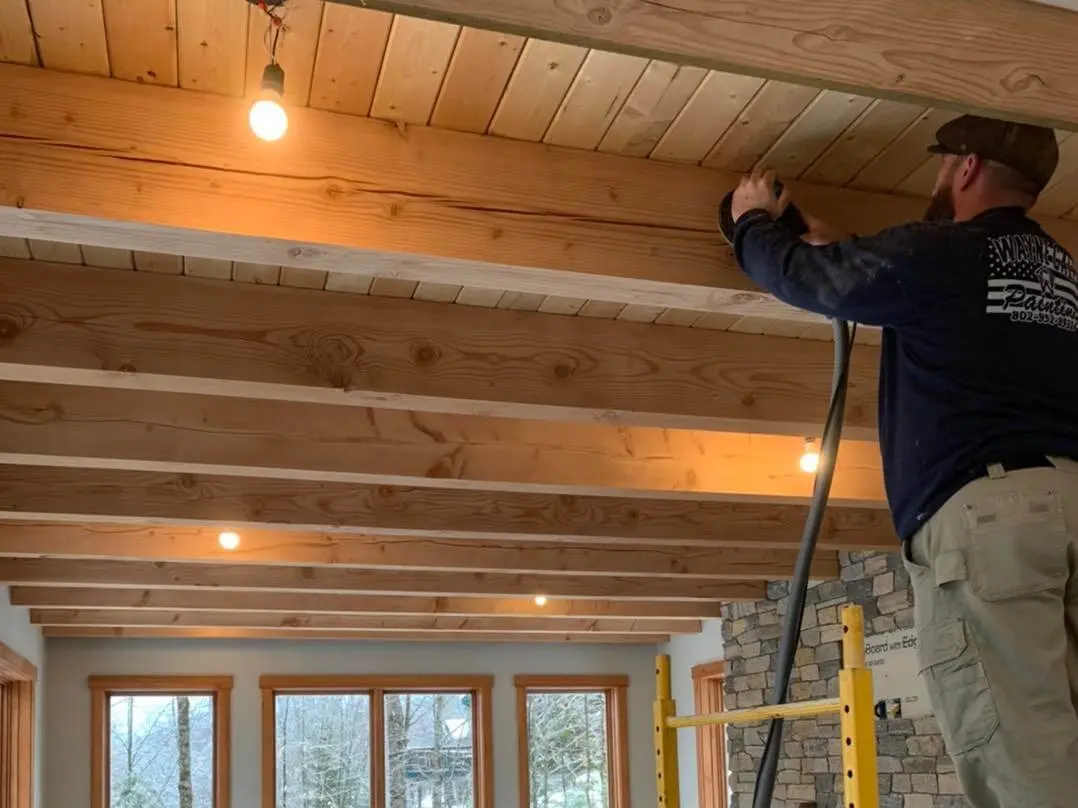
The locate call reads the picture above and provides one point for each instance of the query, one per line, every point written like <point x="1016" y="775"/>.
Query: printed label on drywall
<point x="897" y="685"/>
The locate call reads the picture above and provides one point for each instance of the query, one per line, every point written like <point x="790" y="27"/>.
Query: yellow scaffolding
<point x="854" y="705"/>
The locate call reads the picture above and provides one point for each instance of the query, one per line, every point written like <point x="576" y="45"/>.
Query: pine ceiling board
<point x="815" y="129"/>
<point x="304" y="278"/>
<point x="868" y="336"/>
<point x="475" y="296"/>
<point x="56" y="252"/>
<point x="759" y="125"/>
<point x="295" y="48"/>
<point x="413" y="68"/>
<point x="594" y="99"/>
<point x="264" y="274"/>
<point x="904" y="155"/>
<point x="637" y="313"/>
<point x="71" y="35"/>
<point x="207" y="268"/>
<point x="436" y="292"/>
<point x="159" y="262"/>
<point x="11" y="247"/>
<point x="1061" y="193"/>
<point x="658" y="97"/>
<point x="342" y="282"/>
<point x="536" y="89"/>
<point x="601" y="309"/>
<point x="921" y="181"/>
<point x="562" y="305"/>
<point x="521" y="301"/>
<point x="821" y="332"/>
<point x="714" y="106"/>
<point x="770" y="327"/>
<point x="680" y="317"/>
<point x="716" y="321"/>
<point x="212" y="44"/>
<point x="350" y="50"/>
<point x="16" y="33"/>
<point x="142" y="40"/>
<point x="108" y="257"/>
<point x="873" y="131"/>
<point x="477" y="76"/>
<point x="393" y="287"/>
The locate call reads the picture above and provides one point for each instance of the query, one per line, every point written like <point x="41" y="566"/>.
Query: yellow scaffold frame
<point x="854" y="705"/>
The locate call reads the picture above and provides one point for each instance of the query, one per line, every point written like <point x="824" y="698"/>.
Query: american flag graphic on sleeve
<point x="1031" y="279"/>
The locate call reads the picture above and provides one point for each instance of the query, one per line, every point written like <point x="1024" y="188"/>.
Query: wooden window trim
<point x="102" y="687"/>
<point x="711" y="772"/>
<point x="481" y="687"/>
<point x="18" y="683"/>
<point x="616" y="689"/>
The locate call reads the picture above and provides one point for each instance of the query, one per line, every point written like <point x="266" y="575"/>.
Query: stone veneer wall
<point x="915" y="771"/>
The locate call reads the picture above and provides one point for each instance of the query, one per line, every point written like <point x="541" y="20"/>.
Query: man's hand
<point x="757" y="192"/>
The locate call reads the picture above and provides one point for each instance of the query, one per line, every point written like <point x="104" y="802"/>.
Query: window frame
<point x="18" y="686"/>
<point x="616" y="690"/>
<point x="102" y="688"/>
<point x="708" y="682"/>
<point x="479" y="686"/>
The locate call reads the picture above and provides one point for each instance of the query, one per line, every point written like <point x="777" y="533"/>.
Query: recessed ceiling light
<point x="540" y="600"/>
<point x="228" y="539"/>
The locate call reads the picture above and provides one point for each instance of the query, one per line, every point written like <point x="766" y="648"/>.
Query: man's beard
<point x="941" y="208"/>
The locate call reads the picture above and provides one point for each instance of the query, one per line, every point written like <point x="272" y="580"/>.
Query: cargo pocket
<point x="954" y="675"/>
<point x="1018" y="545"/>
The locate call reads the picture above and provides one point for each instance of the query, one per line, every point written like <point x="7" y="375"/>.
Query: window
<point x="17" y="678"/>
<point x="708" y="681"/>
<point x="376" y="742"/>
<point x="573" y="741"/>
<point x="160" y="741"/>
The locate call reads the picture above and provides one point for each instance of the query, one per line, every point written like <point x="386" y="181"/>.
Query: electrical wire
<point x="791" y="628"/>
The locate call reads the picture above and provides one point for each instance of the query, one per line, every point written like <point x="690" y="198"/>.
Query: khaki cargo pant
<point x="995" y="579"/>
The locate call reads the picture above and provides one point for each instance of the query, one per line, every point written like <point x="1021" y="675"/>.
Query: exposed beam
<point x="119" y="164"/>
<point x="43" y="424"/>
<point x="126" y="542"/>
<point x="29" y="493"/>
<point x="153" y="632"/>
<point x="70" y="325"/>
<point x="86" y="573"/>
<point x="1018" y="63"/>
<point x="336" y="622"/>
<point x="62" y="597"/>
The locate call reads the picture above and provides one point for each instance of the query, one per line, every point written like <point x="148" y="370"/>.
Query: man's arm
<point x="873" y="280"/>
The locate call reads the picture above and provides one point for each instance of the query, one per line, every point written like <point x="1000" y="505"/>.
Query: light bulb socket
<point x="273" y="79"/>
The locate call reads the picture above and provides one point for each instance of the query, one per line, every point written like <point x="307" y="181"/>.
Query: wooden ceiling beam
<point x="336" y="622"/>
<point x="63" y="597"/>
<point x="165" y="574"/>
<point x="158" y="543"/>
<point x="126" y="165"/>
<point x="29" y="493"/>
<point x="74" y="326"/>
<point x="1019" y="63"/>
<point x="232" y="634"/>
<point x="43" y="424"/>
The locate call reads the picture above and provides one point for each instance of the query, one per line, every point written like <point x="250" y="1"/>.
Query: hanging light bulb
<point x="268" y="119"/>
<point x="810" y="459"/>
<point x="540" y="600"/>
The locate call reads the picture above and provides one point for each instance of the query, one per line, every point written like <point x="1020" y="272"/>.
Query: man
<point x="978" y="423"/>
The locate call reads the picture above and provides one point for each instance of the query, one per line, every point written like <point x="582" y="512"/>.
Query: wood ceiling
<point x="398" y="466"/>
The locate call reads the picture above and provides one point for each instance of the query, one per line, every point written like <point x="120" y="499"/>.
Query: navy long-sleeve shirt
<point x="979" y="359"/>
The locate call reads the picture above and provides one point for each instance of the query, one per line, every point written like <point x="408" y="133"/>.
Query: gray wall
<point x="67" y="709"/>
<point x="686" y="651"/>
<point x="24" y="639"/>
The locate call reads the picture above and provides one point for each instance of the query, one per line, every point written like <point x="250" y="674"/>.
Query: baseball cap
<point x="1030" y="150"/>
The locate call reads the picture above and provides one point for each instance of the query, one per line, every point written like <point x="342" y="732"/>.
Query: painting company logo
<point x="1031" y="279"/>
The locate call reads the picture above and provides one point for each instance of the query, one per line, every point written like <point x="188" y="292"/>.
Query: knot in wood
<point x="425" y="354"/>
<point x="600" y="15"/>
<point x="563" y="372"/>
<point x="10" y="328"/>
<point x="187" y="482"/>
<point x="747" y="297"/>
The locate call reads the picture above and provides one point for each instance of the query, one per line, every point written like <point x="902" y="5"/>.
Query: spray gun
<point x="792" y="220"/>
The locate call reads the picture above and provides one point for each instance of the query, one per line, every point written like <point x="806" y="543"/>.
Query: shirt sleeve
<point x="875" y="280"/>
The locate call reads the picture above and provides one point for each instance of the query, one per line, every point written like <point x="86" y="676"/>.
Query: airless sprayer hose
<point x="791" y="627"/>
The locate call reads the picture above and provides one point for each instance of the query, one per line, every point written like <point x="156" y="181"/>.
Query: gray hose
<point x="791" y="627"/>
